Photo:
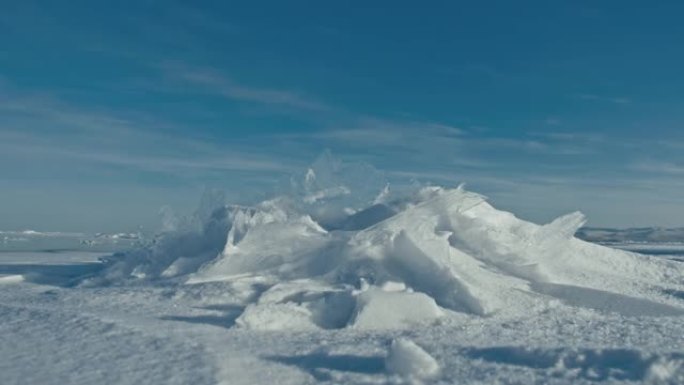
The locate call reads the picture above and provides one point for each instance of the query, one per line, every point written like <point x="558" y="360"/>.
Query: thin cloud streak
<point x="608" y="99"/>
<point x="659" y="167"/>
<point x="386" y="133"/>
<point x="565" y="136"/>
<point x="214" y="82"/>
<point x="154" y="162"/>
<point x="53" y="132"/>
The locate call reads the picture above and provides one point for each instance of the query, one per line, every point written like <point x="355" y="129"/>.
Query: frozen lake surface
<point x="674" y="251"/>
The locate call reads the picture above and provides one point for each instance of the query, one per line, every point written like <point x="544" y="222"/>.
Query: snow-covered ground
<point x="346" y="282"/>
<point x="160" y="333"/>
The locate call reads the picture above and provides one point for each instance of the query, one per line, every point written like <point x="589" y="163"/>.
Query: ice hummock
<point x="341" y="249"/>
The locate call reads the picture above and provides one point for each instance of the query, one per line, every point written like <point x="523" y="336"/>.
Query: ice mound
<point x="326" y="257"/>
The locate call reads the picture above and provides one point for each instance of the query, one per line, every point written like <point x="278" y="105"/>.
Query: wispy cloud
<point x="384" y="132"/>
<point x="523" y="144"/>
<point x="47" y="130"/>
<point x="567" y="136"/>
<point x="551" y="121"/>
<point x="671" y="144"/>
<point x="214" y="82"/>
<point x="172" y="165"/>
<point x="606" y="99"/>
<point x="659" y="167"/>
<point x="570" y="143"/>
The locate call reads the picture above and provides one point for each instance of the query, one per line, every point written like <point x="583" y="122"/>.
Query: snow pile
<point x="409" y="361"/>
<point x="343" y="250"/>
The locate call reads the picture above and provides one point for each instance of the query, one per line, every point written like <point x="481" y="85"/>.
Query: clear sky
<point x="110" y="110"/>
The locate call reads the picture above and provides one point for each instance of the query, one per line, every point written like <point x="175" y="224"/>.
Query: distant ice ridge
<point x="323" y="256"/>
<point x="644" y="235"/>
<point x="33" y="233"/>
<point x="32" y="240"/>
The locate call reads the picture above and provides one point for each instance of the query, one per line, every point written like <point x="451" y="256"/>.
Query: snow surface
<point x="342" y="280"/>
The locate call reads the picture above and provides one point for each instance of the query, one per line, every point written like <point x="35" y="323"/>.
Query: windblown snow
<point x="342" y="250"/>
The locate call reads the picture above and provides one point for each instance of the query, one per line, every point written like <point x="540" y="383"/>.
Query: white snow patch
<point x="379" y="309"/>
<point x="276" y="316"/>
<point x="410" y="361"/>
<point x="11" y="279"/>
<point x="666" y="370"/>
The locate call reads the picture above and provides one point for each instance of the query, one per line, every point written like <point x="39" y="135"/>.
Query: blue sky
<point x="110" y="110"/>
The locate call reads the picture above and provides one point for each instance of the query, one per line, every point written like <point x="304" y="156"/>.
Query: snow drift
<point x="340" y="249"/>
